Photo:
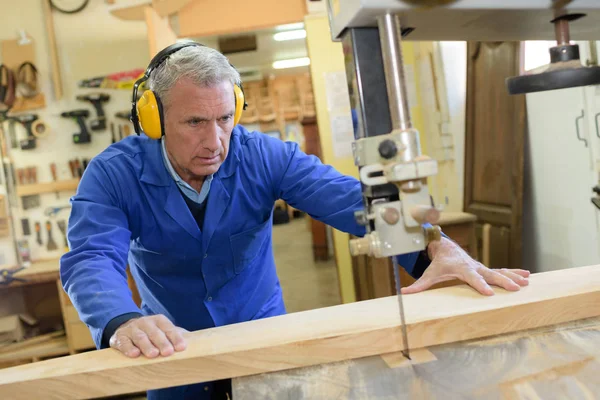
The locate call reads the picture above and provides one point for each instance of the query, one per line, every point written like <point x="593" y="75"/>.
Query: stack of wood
<point x="278" y="100"/>
<point x="17" y="348"/>
<point x="34" y="349"/>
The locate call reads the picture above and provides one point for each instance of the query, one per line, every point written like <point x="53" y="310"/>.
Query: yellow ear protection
<point x="147" y="113"/>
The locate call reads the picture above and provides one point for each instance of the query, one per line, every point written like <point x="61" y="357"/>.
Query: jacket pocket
<point x="247" y="245"/>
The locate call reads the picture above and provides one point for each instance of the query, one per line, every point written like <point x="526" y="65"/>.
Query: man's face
<point x="198" y="125"/>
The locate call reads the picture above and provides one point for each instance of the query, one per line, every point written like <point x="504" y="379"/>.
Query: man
<point x="191" y="215"/>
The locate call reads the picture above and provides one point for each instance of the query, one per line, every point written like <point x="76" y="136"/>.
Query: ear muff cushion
<point x="239" y="104"/>
<point x="149" y="114"/>
<point x="161" y="114"/>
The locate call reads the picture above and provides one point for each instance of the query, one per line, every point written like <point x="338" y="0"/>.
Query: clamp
<point x="8" y="278"/>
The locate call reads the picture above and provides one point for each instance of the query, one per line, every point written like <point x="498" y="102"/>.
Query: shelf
<point x="49" y="187"/>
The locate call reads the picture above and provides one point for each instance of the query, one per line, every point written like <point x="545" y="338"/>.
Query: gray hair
<point x="203" y="65"/>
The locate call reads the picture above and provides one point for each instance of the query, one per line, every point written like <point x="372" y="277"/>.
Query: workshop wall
<point x="327" y="58"/>
<point x="442" y="93"/>
<point x="90" y="43"/>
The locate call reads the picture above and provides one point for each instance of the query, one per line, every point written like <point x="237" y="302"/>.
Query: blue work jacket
<point x="128" y="210"/>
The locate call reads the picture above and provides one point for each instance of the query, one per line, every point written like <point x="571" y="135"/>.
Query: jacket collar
<point x="155" y="173"/>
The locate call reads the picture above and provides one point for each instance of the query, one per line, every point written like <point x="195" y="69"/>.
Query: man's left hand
<point x="449" y="261"/>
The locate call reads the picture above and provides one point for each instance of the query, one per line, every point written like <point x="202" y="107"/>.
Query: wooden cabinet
<point x="78" y="334"/>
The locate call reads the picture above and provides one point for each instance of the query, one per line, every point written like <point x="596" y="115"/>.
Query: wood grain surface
<point x="548" y="364"/>
<point x="319" y="336"/>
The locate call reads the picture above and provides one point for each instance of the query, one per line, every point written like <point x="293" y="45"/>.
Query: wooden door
<point x="495" y="130"/>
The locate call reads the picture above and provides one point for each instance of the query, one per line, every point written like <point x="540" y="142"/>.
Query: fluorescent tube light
<point x="287" y="27"/>
<point x="290" y="35"/>
<point x="291" y="63"/>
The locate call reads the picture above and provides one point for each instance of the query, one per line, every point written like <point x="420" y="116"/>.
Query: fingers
<point x="519" y="279"/>
<point x="477" y="281"/>
<point x="151" y="336"/>
<point x="423" y="283"/>
<point x="142" y="341"/>
<point x="520" y="272"/>
<point x="124" y="345"/>
<point x="498" y="279"/>
<point x="173" y="334"/>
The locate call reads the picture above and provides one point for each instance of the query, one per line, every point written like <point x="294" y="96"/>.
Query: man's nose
<point x="211" y="141"/>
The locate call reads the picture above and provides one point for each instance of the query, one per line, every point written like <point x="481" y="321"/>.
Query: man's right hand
<point x="151" y="336"/>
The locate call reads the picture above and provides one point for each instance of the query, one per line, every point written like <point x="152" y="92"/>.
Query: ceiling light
<point x="290" y="35"/>
<point x="287" y="27"/>
<point x="291" y="63"/>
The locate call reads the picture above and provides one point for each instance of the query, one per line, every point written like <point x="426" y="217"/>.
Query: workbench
<point x="44" y="299"/>
<point x="42" y="296"/>
<point x="556" y="362"/>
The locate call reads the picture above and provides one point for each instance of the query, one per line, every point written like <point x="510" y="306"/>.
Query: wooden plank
<point x="204" y="17"/>
<point x="49" y="348"/>
<point x="56" y="74"/>
<point x="31" y="341"/>
<point x="160" y="34"/>
<point x="317" y="337"/>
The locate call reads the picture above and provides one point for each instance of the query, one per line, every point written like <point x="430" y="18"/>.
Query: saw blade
<point x="406" y="351"/>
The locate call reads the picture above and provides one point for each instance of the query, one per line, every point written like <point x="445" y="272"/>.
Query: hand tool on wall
<point x="7" y="88"/>
<point x="124" y="129"/>
<point x="28" y="176"/>
<point x="12" y="134"/>
<point x="35" y="129"/>
<point x="38" y="231"/>
<point x="77" y="167"/>
<point x="25" y="227"/>
<point x="62" y="225"/>
<point x="113" y="138"/>
<point x="21" y="176"/>
<point x="54" y="176"/>
<point x="53" y="211"/>
<point x="98" y="123"/>
<point x="51" y="246"/>
<point x="31" y="175"/>
<point x="27" y="84"/>
<point x="79" y="115"/>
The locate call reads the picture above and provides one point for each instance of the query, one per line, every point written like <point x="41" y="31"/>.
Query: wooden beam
<point x="216" y="17"/>
<point x="56" y="75"/>
<point x="160" y="34"/>
<point x="314" y="337"/>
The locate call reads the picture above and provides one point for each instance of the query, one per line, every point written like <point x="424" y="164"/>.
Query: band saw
<point x="399" y="213"/>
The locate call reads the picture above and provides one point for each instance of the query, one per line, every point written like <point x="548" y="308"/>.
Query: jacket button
<point x="209" y="299"/>
<point x="206" y="255"/>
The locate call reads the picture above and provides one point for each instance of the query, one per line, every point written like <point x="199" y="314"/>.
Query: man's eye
<point x="226" y="118"/>
<point x="194" y="122"/>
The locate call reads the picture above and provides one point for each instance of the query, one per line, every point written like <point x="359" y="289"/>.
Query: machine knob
<point x="361" y="217"/>
<point x="387" y="149"/>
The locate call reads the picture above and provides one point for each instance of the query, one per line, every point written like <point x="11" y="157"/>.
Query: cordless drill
<point x="79" y="115"/>
<point x="99" y="123"/>
<point x="35" y="128"/>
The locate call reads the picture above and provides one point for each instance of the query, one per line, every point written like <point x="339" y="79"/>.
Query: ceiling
<point x="257" y="64"/>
